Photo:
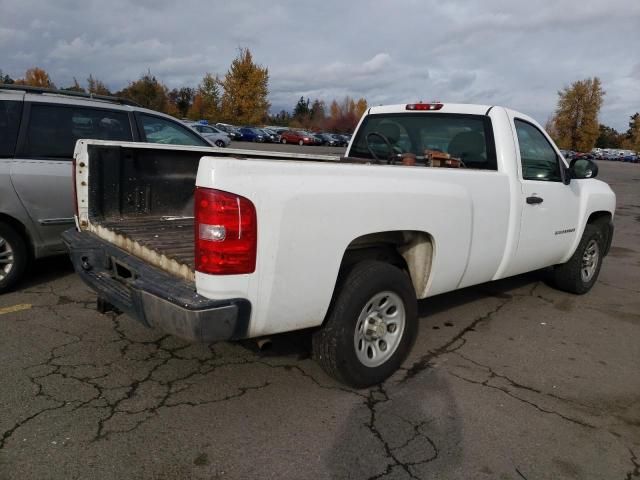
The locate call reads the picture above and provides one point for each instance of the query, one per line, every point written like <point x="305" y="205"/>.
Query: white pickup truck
<point x="211" y="244"/>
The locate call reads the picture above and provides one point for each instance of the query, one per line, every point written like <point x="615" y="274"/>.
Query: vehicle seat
<point x="391" y="131"/>
<point x="469" y="147"/>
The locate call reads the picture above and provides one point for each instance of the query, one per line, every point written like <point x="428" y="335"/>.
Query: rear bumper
<point x="152" y="296"/>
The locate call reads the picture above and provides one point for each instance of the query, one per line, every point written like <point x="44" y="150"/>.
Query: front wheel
<point x="219" y="143"/>
<point x="284" y="140"/>
<point x="301" y="142"/>
<point x="580" y="273"/>
<point x="371" y="325"/>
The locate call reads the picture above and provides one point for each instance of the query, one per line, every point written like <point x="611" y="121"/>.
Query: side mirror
<point x="583" y="168"/>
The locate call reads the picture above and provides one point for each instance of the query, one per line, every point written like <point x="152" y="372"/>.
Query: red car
<point x="296" y="136"/>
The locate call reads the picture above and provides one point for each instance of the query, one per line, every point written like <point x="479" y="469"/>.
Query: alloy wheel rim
<point x="590" y="259"/>
<point x="379" y="328"/>
<point x="6" y="258"/>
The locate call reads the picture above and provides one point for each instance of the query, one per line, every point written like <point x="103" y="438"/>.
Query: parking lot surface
<point x="507" y="380"/>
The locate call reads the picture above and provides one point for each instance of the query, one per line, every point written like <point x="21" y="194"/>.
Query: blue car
<point x="251" y="135"/>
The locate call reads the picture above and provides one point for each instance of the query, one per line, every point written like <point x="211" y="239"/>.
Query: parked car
<point x="319" y="140"/>
<point x="250" y="134"/>
<point x="272" y="135"/>
<point x="331" y="140"/>
<point x="297" y="136"/>
<point x="231" y="130"/>
<point x="214" y="136"/>
<point x="344" y="246"/>
<point x="38" y="133"/>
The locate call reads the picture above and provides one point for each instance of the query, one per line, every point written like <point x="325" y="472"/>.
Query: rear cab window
<point x="10" y="115"/>
<point x="464" y="137"/>
<point x="53" y="130"/>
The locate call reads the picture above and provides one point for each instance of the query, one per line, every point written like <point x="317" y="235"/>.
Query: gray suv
<point x="38" y="132"/>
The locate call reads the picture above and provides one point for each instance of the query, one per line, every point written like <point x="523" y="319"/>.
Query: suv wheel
<point x="13" y="257"/>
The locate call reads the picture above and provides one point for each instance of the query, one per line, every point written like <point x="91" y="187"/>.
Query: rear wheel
<point x="580" y="273"/>
<point x="370" y="327"/>
<point x="219" y="143"/>
<point x="13" y="257"/>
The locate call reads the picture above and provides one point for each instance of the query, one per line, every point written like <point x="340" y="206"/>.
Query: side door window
<point x="162" y="130"/>
<point x="54" y="129"/>
<point x="539" y="159"/>
<point x="10" y="114"/>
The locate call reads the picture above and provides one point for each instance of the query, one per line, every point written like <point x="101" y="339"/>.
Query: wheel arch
<point x="605" y="220"/>
<point x="409" y="250"/>
<point x="21" y="230"/>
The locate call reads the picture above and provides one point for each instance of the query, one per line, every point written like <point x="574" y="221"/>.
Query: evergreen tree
<point x="206" y="101"/>
<point x="317" y="115"/>
<point x="96" y="87"/>
<point x="632" y="137"/>
<point x="75" y="87"/>
<point x="6" y="79"/>
<point x="181" y="99"/>
<point x="148" y="92"/>
<point x="608" y="138"/>
<point x="301" y="110"/>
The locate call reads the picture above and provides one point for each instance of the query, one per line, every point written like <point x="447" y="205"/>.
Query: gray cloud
<point x="497" y="51"/>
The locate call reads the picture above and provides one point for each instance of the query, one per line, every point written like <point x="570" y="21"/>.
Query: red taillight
<point x="425" y="106"/>
<point x="226" y="233"/>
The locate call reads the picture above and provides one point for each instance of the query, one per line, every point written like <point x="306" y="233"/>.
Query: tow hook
<point x="85" y="264"/>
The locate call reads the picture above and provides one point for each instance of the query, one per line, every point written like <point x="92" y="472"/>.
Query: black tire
<point x="20" y="256"/>
<point x="219" y="143"/>
<point x="568" y="276"/>
<point x="333" y="344"/>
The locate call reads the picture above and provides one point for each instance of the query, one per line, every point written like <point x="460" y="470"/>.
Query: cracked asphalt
<point x="507" y="380"/>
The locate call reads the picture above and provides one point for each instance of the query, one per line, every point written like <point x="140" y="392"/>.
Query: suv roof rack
<point x="70" y="93"/>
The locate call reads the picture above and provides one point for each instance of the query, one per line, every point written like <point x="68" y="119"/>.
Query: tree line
<point x="239" y="97"/>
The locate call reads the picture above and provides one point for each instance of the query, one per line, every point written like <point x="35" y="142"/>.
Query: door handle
<point x="534" y="200"/>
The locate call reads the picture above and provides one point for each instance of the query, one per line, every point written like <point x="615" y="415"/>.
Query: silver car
<point x="214" y="136"/>
<point x="38" y="132"/>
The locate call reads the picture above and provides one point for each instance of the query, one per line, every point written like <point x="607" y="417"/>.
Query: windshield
<point x="465" y="137"/>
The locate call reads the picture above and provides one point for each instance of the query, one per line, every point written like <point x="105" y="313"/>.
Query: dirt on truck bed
<point x="169" y="236"/>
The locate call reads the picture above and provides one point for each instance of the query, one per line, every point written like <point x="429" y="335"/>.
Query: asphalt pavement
<point x="507" y="380"/>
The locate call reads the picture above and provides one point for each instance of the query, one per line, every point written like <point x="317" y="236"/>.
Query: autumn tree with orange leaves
<point x="245" y="86"/>
<point x="36" y="77"/>
<point x="344" y="116"/>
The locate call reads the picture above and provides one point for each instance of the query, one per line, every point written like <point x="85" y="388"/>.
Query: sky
<point x="518" y="54"/>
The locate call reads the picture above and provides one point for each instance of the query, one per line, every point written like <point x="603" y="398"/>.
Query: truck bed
<point x="168" y="236"/>
<point x="140" y="197"/>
